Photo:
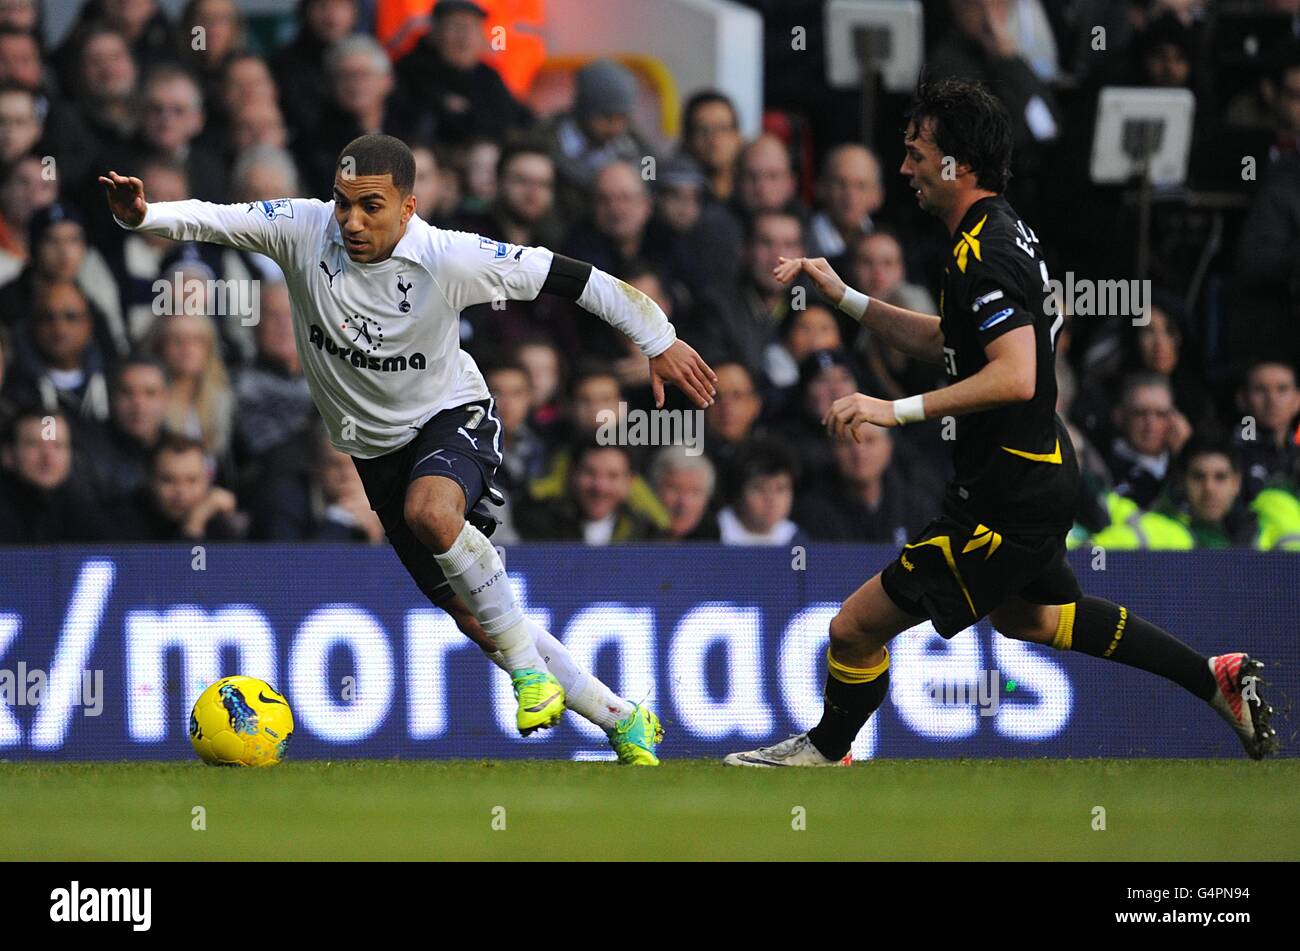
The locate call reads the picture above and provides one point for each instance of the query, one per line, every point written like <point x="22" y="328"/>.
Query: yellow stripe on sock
<point x="1064" y="638"/>
<point x="855" y="675"/>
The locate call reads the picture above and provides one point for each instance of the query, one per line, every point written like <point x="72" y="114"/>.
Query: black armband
<point x="567" y="277"/>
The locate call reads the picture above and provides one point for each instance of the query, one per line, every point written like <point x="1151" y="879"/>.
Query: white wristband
<point x="854" y="303"/>
<point x="910" y="409"/>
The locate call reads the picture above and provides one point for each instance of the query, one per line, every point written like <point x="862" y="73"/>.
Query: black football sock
<point x="852" y="695"/>
<point x="1103" y="628"/>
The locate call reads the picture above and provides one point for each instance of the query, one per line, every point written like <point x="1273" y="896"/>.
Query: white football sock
<point x="584" y="693"/>
<point x="474" y="571"/>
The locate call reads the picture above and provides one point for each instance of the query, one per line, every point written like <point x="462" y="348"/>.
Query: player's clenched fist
<point x="849" y="412"/>
<point x="125" y="197"/>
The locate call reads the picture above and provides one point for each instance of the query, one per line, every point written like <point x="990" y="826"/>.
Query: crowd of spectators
<point x="120" y="423"/>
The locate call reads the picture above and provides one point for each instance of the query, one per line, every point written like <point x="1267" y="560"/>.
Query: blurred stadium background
<point x="682" y="145"/>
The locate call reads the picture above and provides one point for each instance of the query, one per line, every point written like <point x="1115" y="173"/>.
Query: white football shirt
<point x="380" y="343"/>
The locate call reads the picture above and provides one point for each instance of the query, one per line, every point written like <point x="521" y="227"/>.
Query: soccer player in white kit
<point x="377" y="295"/>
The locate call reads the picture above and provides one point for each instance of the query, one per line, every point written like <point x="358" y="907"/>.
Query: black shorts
<point x="956" y="572"/>
<point x="463" y="444"/>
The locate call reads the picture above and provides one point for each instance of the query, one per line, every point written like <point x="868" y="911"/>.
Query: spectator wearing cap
<point x="446" y="70"/>
<point x="850" y="192"/>
<point x="703" y="237"/>
<point x="42" y="500"/>
<point x="596" y="131"/>
<point x="868" y="498"/>
<point x="711" y="136"/>
<point x="58" y="366"/>
<point x="1268" y="439"/>
<point x="299" y="68"/>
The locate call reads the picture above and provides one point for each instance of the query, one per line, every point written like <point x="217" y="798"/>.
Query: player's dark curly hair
<point x="970" y="124"/>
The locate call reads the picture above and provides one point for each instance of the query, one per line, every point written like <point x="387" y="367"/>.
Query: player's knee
<point x="435" y="521"/>
<point x="845" y="632"/>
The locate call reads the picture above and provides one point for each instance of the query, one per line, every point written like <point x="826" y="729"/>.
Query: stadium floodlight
<point x="1143" y="134"/>
<point x="1143" y="137"/>
<point x="870" y="38"/>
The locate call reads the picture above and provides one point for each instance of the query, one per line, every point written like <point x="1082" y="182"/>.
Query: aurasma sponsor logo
<point x="76" y="904"/>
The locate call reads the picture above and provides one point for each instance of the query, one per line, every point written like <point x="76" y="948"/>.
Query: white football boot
<point x="796" y="751"/>
<point x="1237" y="700"/>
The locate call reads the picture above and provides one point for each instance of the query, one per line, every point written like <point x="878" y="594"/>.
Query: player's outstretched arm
<point x="1010" y="376"/>
<point x="916" y="334"/>
<point x="266" y="227"/>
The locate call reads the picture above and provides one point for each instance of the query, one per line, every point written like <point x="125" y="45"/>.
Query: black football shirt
<point x="1015" y="468"/>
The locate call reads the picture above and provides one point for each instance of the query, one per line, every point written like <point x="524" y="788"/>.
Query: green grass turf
<point x="888" y="809"/>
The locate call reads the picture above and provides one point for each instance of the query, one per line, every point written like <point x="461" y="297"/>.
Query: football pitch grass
<point x="886" y="809"/>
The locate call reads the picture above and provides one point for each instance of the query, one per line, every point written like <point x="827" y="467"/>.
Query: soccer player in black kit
<point x="998" y="548"/>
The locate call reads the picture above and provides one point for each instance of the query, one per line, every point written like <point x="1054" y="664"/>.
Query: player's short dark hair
<point x="380" y="155"/>
<point x="969" y="124"/>
<point x="758" y="459"/>
<point x="696" y="102"/>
